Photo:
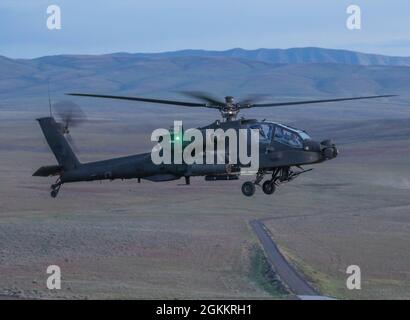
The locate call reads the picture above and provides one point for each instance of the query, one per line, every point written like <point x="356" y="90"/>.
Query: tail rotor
<point x="70" y="115"/>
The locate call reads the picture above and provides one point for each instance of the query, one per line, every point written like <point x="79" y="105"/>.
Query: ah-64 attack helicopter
<point x="280" y="148"/>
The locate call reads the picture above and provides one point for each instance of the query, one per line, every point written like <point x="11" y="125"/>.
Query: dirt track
<point x="285" y="271"/>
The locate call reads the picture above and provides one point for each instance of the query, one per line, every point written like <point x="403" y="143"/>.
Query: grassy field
<point x="264" y="275"/>
<point x="361" y="217"/>
<point x="128" y="240"/>
<point x="119" y="239"/>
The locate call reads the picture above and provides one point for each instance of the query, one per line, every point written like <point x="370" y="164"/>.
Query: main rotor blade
<point x="279" y="104"/>
<point x="204" y="96"/>
<point x="176" y="103"/>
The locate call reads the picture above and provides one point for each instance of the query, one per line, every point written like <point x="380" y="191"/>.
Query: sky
<point x="97" y="27"/>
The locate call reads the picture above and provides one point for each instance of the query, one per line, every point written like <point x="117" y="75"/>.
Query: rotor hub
<point x="230" y="110"/>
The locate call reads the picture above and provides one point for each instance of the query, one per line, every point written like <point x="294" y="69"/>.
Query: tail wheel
<point x="55" y="188"/>
<point x="248" y="189"/>
<point x="268" y="187"/>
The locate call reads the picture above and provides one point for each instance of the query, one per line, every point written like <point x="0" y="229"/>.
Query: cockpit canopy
<point x="280" y="133"/>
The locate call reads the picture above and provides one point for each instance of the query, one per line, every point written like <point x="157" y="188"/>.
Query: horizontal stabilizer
<point x="47" y="171"/>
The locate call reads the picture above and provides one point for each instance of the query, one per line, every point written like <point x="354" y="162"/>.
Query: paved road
<point x="286" y="272"/>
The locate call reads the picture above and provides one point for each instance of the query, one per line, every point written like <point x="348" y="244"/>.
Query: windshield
<point x="304" y="135"/>
<point x="290" y="137"/>
<point x="265" y="131"/>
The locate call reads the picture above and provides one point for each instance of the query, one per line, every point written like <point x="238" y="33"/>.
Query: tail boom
<point x="58" y="144"/>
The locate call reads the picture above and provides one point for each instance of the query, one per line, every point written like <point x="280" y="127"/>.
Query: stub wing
<point x="47" y="171"/>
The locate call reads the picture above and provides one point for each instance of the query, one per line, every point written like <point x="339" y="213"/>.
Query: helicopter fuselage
<point x="280" y="148"/>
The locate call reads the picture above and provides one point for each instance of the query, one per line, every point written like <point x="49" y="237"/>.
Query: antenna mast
<point x="49" y="99"/>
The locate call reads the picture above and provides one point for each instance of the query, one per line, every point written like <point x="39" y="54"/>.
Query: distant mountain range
<point x="288" y="56"/>
<point x="293" y="72"/>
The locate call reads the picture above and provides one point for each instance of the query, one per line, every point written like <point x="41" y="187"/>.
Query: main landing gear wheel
<point x="248" y="189"/>
<point x="55" y="188"/>
<point x="268" y="187"/>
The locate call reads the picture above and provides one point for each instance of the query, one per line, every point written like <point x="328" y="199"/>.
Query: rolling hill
<point x="292" y="55"/>
<point x="281" y="73"/>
